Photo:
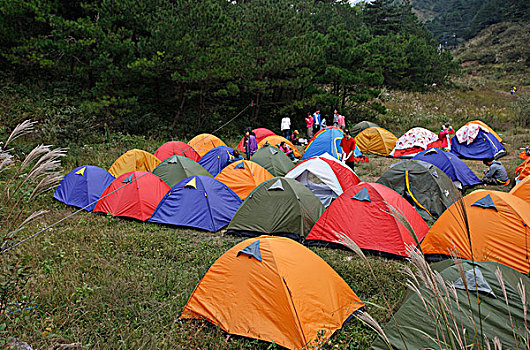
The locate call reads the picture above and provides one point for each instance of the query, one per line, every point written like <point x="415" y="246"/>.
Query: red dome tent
<point x="135" y="195"/>
<point x="176" y="148"/>
<point x="362" y="214"/>
<point x="261" y="133"/>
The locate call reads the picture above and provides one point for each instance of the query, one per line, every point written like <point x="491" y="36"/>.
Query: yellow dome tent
<point x="134" y="160"/>
<point x="204" y="142"/>
<point x="275" y="140"/>
<point x="376" y="140"/>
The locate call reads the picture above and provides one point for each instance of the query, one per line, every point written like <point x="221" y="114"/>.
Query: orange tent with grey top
<point x="243" y="176"/>
<point x="204" y="142"/>
<point x="134" y="160"/>
<point x="276" y="290"/>
<point x="498" y="229"/>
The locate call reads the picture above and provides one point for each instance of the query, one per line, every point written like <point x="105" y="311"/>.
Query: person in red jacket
<point x="287" y="150"/>
<point x="444" y="136"/>
<point x="348" y="149"/>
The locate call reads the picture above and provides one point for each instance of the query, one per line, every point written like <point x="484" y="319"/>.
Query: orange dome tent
<point x="134" y="160"/>
<point x="523" y="170"/>
<point x="243" y="176"/>
<point x="376" y="140"/>
<point x="498" y="227"/>
<point x="276" y="290"/>
<point x="204" y="142"/>
<point x="275" y="140"/>
<point x="522" y="189"/>
<point x="481" y="123"/>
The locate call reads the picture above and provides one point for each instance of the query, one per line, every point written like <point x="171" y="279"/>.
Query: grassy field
<point x="110" y="283"/>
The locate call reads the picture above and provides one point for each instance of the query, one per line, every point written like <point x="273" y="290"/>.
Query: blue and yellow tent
<point x="217" y="159"/>
<point x="198" y="201"/>
<point x="327" y="141"/>
<point x="485" y="146"/>
<point x="82" y="186"/>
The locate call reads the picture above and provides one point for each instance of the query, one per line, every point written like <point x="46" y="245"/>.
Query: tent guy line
<point x="5" y="250"/>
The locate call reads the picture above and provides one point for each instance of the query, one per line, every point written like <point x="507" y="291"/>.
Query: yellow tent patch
<point x="192" y="183"/>
<point x="81" y="171"/>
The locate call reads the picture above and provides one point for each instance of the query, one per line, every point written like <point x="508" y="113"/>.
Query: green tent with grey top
<point x="357" y="128"/>
<point x="272" y="159"/>
<point x="279" y="206"/>
<point x="420" y="330"/>
<point x="177" y="168"/>
<point x="427" y="188"/>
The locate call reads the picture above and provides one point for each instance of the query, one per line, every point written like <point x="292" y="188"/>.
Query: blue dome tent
<point x="82" y="186"/>
<point x="327" y="141"/>
<point x="217" y="159"/>
<point x="198" y="201"/>
<point x="485" y="146"/>
<point x="451" y="165"/>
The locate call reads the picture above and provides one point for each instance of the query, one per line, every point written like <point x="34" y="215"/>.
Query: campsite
<point x="186" y="182"/>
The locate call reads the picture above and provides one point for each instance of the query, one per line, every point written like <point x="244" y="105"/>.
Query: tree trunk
<point x="256" y="109"/>
<point x="179" y="112"/>
<point x="344" y="94"/>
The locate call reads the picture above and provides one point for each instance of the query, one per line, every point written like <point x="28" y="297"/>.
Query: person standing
<point x="316" y="120"/>
<point x="309" y="122"/>
<point x="286" y="126"/>
<point x="342" y="122"/>
<point x="251" y="146"/>
<point x="335" y="118"/>
<point x="444" y="136"/>
<point x="347" y="144"/>
<point x="294" y="138"/>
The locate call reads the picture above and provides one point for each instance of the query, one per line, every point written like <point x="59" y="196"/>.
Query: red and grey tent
<point x="362" y="214"/>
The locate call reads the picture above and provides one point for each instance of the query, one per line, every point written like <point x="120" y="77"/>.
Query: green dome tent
<point x="279" y="206"/>
<point x="420" y="330"/>
<point x="357" y="128"/>
<point x="272" y="159"/>
<point x="176" y="168"/>
<point x="425" y="186"/>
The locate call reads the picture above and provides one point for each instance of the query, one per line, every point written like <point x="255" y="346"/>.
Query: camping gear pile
<point x="271" y="287"/>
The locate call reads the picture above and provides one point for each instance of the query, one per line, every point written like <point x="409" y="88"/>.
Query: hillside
<point x="499" y="51"/>
<point x="454" y="21"/>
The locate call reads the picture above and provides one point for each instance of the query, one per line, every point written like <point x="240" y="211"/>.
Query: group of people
<point x="315" y="122"/>
<point x="496" y="174"/>
<point x="251" y="146"/>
